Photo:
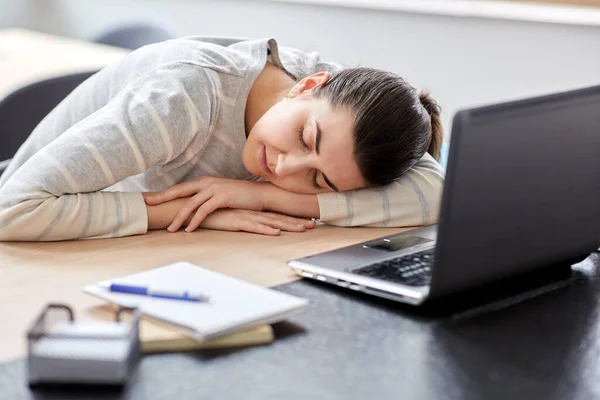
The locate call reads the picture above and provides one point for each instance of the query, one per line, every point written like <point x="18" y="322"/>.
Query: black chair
<point x="134" y="36"/>
<point x="23" y="109"/>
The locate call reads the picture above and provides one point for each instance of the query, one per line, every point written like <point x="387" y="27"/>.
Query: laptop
<point x="522" y="192"/>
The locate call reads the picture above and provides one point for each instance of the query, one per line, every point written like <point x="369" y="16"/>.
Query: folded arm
<point x="265" y="223"/>
<point x="57" y="193"/>
<point x="412" y="200"/>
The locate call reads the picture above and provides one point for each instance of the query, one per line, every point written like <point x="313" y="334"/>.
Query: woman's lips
<point x="262" y="160"/>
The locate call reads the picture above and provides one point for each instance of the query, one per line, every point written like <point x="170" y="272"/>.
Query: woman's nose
<point x="288" y="164"/>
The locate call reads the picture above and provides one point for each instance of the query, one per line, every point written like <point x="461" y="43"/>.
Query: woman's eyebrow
<point x="317" y="147"/>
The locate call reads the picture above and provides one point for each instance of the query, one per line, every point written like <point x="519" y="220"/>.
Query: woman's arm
<point x="56" y="194"/>
<point x="295" y="204"/>
<point x="207" y="194"/>
<point x="160" y="216"/>
<point x="264" y="223"/>
<point x="413" y="200"/>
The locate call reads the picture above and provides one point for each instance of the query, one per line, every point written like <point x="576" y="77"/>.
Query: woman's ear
<point x="312" y="82"/>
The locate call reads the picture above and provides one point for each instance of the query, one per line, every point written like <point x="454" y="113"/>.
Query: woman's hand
<point x="209" y="194"/>
<point x="264" y="223"/>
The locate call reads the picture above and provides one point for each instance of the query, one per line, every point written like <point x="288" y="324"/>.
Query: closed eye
<point x="301" y="136"/>
<point x="314" y="180"/>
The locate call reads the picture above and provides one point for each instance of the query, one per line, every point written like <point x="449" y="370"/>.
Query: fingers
<point x="306" y="223"/>
<point x="186" y="211"/>
<point x="257" y="227"/>
<point x="277" y="221"/>
<point x="285" y="226"/>
<point x="202" y="206"/>
<point x="181" y="190"/>
<point x="161" y="197"/>
<point x="205" y="209"/>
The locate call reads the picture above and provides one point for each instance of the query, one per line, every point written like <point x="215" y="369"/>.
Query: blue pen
<point x="151" y="292"/>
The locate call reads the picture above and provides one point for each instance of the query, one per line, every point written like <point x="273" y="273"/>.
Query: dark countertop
<point x="540" y="344"/>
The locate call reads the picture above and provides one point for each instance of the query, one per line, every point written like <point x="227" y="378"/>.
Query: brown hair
<point x="394" y="125"/>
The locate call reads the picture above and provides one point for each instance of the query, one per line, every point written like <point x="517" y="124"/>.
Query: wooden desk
<point x="27" y="56"/>
<point x="33" y="274"/>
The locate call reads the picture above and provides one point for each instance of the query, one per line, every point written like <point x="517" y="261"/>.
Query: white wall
<point x="463" y="61"/>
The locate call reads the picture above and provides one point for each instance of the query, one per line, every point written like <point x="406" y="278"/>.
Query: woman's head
<point x="394" y="125"/>
<point x="360" y="127"/>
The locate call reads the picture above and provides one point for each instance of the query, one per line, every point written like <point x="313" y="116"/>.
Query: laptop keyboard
<point x="413" y="269"/>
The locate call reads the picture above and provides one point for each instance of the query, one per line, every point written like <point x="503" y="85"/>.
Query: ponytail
<point x="437" y="133"/>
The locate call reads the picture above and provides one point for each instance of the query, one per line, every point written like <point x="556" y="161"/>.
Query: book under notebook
<point x="160" y="337"/>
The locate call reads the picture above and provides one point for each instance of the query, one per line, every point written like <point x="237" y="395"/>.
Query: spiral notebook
<point x="233" y="304"/>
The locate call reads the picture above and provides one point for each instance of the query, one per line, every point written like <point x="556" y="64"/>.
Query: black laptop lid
<point x="522" y="189"/>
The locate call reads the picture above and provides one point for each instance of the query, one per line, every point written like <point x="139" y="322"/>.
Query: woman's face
<point x="304" y="146"/>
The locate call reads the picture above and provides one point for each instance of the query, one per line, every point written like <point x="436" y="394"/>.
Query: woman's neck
<point x="270" y="87"/>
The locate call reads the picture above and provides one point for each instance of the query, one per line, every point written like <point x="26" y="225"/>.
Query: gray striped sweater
<point x="168" y="113"/>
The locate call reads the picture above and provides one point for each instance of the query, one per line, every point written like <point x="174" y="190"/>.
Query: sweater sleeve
<point x="412" y="200"/>
<point x="57" y="193"/>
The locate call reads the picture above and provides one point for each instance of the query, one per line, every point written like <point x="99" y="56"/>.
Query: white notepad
<point x="233" y="304"/>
